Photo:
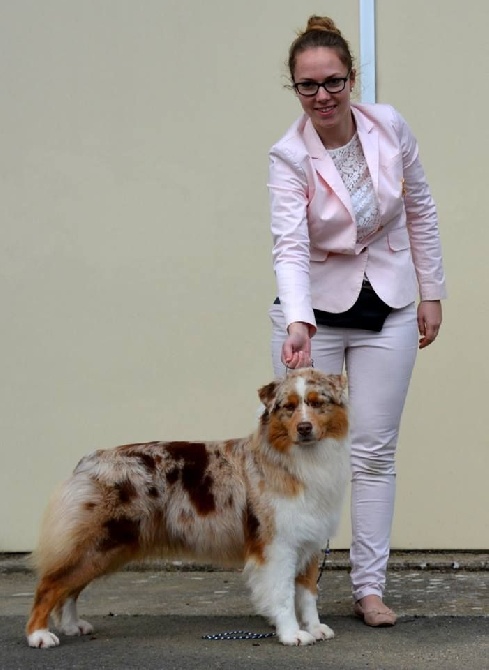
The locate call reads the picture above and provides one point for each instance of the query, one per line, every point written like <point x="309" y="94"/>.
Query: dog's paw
<point x="299" y="638"/>
<point x="322" y="632"/>
<point x="42" y="639"/>
<point x="79" y="627"/>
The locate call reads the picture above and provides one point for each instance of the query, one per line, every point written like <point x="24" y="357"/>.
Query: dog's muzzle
<point x="305" y="432"/>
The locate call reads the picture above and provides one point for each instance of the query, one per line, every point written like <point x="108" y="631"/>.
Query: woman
<point x="356" y="243"/>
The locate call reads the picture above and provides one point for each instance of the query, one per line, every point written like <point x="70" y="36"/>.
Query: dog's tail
<point x="67" y="524"/>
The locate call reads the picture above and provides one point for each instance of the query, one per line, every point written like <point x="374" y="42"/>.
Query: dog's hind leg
<point x="69" y="622"/>
<point x="65" y="615"/>
<point x="306" y="602"/>
<point x="59" y="589"/>
<point x="52" y="590"/>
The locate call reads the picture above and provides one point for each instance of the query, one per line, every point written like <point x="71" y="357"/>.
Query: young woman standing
<point x="356" y="244"/>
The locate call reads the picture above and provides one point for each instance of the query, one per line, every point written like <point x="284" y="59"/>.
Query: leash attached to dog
<point x="287" y="369"/>
<point x="322" y="567"/>
<point x="246" y="634"/>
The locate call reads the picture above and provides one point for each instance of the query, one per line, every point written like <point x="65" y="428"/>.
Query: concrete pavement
<point x="154" y="616"/>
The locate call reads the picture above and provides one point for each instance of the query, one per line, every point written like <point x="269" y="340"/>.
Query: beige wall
<point x="135" y="256"/>
<point x="430" y="59"/>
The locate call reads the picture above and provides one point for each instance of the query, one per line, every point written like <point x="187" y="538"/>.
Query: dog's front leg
<point x="272" y="585"/>
<point x="306" y="602"/>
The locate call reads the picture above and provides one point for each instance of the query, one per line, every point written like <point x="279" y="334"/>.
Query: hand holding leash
<point x="296" y="350"/>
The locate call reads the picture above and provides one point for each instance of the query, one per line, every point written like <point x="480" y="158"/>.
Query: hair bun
<point x="320" y="32"/>
<point x="321" y="23"/>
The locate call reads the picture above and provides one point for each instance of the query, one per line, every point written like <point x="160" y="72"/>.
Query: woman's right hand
<point x="296" y="350"/>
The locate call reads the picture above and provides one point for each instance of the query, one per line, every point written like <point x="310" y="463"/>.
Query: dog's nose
<point x="304" y="428"/>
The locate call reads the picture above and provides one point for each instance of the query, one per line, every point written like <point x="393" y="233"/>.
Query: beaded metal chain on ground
<point x="238" y="635"/>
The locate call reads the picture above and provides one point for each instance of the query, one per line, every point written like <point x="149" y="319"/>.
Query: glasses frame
<point x="319" y="85"/>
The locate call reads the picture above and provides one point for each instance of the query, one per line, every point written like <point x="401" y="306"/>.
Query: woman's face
<point x="329" y="112"/>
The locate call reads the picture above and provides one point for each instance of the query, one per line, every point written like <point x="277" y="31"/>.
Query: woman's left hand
<point x="429" y="321"/>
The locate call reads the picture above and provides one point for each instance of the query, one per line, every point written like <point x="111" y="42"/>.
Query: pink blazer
<point x="317" y="260"/>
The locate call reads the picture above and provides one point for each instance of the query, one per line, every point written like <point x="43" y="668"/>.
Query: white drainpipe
<point x="367" y="51"/>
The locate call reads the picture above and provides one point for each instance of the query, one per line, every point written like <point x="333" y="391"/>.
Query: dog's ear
<point x="339" y="386"/>
<point x="267" y="394"/>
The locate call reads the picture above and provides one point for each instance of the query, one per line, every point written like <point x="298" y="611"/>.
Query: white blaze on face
<point x="300" y="387"/>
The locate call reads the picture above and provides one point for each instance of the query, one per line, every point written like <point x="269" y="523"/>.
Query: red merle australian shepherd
<point x="268" y="501"/>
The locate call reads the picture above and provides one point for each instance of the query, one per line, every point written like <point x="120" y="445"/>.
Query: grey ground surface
<point x="154" y="617"/>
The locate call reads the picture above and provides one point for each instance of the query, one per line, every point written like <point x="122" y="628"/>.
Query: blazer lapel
<point x="369" y="139"/>
<point x="324" y="165"/>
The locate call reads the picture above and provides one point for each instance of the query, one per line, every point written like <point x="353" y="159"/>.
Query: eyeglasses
<point x="310" y="88"/>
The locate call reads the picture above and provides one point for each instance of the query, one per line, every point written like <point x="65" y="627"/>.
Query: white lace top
<point x="352" y="166"/>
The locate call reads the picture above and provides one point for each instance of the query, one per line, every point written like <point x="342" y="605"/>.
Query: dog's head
<point x="305" y="407"/>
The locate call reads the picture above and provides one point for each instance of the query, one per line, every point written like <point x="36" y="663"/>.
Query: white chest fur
<point x="312" y="516"/>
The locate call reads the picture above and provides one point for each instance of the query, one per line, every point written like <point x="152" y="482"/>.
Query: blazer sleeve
<point x="288" y="189"/>
<point x="422" y="218"/>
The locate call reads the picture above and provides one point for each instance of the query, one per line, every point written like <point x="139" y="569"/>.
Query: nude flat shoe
<point x="374" y="617"/>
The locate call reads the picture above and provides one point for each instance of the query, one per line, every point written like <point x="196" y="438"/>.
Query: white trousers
<point x="379" y="367"/>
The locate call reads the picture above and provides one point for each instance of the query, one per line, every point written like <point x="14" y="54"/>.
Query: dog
<point x="268" y="501"/>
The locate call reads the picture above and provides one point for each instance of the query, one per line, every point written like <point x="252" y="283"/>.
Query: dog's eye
<point x="315" y="401"/>
<point x="289" y="407"/>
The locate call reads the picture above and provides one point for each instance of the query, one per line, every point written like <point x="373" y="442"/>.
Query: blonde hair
<point x="320" y="31"/>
